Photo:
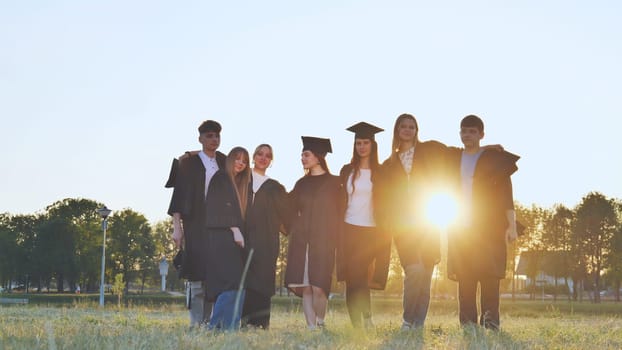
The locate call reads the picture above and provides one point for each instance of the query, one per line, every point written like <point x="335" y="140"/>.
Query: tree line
<point x="581" y="244"/>
<point x="61" y="248"/>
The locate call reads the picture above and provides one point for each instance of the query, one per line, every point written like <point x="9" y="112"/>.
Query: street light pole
<point x="104" y="213"/>
<point x="163" y="272"/>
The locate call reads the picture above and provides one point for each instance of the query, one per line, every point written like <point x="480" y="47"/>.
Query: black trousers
<point x="359" y="243"/>
<point x="256" y="310"/>
<point x="489" y="301"/>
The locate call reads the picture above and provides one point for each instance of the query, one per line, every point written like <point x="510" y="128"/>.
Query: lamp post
<point x="104" y="213"/>
<point x="163" y="272"/>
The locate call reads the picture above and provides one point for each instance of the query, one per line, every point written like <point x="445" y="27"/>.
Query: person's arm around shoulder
<point x="188" y="154"/>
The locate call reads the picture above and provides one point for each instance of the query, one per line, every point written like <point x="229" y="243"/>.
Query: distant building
<point x="540" y="268"/>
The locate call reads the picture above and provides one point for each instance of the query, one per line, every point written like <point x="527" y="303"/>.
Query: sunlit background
<point x="442" y="209"/>
<point x="97" y="97"/>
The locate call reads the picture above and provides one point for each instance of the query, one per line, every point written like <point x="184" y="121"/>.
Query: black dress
<point x="317" y="203"/>
<point x="377" y="248"/>
<point x="223" y="270"/>
<point x="265" y="215"/>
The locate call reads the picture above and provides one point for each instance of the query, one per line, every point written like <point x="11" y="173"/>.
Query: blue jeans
<point x="417" y="281"/>
<point x="223" y="317"/>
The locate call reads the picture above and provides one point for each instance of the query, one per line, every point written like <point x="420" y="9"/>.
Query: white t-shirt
<point x="211" y="166"/>
<point x="258" y="180"/>
<point x="360" y="211"/>
<point x="468" y="162"/>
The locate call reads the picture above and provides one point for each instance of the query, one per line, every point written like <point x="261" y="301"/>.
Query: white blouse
<point x="360" y="211"/>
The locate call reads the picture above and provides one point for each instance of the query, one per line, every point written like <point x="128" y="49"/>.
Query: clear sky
<point x="97" y="97"/>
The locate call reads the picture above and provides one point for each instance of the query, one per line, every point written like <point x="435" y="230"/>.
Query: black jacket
<point x="480" y="249"/>
<point x="404" y="199"/>
<point x="188" y="179"/>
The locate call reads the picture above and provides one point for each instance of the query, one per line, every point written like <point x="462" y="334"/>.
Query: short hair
<point x="472" y="121"/>
<point x="210" y="125"/>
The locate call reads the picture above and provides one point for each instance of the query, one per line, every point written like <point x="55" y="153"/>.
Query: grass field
<point x="525" y="325"/>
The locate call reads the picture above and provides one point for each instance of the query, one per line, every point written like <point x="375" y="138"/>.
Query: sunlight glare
<point x="441" y="209"/>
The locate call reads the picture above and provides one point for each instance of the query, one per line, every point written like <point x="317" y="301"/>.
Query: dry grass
<point x="84" y="326"/>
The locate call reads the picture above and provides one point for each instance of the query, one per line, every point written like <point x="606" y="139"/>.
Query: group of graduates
<point x="227" y="218"/>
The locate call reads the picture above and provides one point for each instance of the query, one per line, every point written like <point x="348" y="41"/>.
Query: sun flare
<point x="441" y="209"/>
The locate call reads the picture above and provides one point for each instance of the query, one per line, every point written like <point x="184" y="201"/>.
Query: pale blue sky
<point x="97" y="97"/>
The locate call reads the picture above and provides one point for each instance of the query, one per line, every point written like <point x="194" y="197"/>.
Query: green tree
<point x="557" y="238"/>
<point x="24" y="228"/>
<point x="164" y="247"/>
<point x="595" y="224"/>
<point x="614" y="256"/>
<point x="281" y="263"/>
<point x="8" y="251"/>
<point x="82" y="220"/>
<point x="130" y="244"/>
<point x="531" y="243"/>
<point x="54" y="253"/>
<point x="118" y="287"/>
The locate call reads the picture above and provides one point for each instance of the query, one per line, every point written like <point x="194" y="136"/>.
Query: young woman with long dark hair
<point x="227" y="199"/>
<point x="363" y="260"/>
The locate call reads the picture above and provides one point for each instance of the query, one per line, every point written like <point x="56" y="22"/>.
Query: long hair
<point x="241" y="180"/>
<point x="395" y="144"/>
<point x="323" y="164"/>
<point x="355" y="162"/>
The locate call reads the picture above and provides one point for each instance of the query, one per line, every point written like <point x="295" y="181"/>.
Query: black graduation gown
<point x="480" y="251"/>
<point x="317" y="209"/>
<point x="264" y="217"/>
<point x="404" y="199"/>
<point x="188" y="179"/>
<point x="224" y="262"/>
<point x="172" y="175"/>
<point x="380" y="247"/>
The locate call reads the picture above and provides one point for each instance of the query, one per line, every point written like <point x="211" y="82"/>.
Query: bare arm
<point x="178" y="230"/>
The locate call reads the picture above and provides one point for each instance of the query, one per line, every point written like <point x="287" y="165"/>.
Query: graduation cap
<point x="318" y="146"/>
<point x="364" y="130"/>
